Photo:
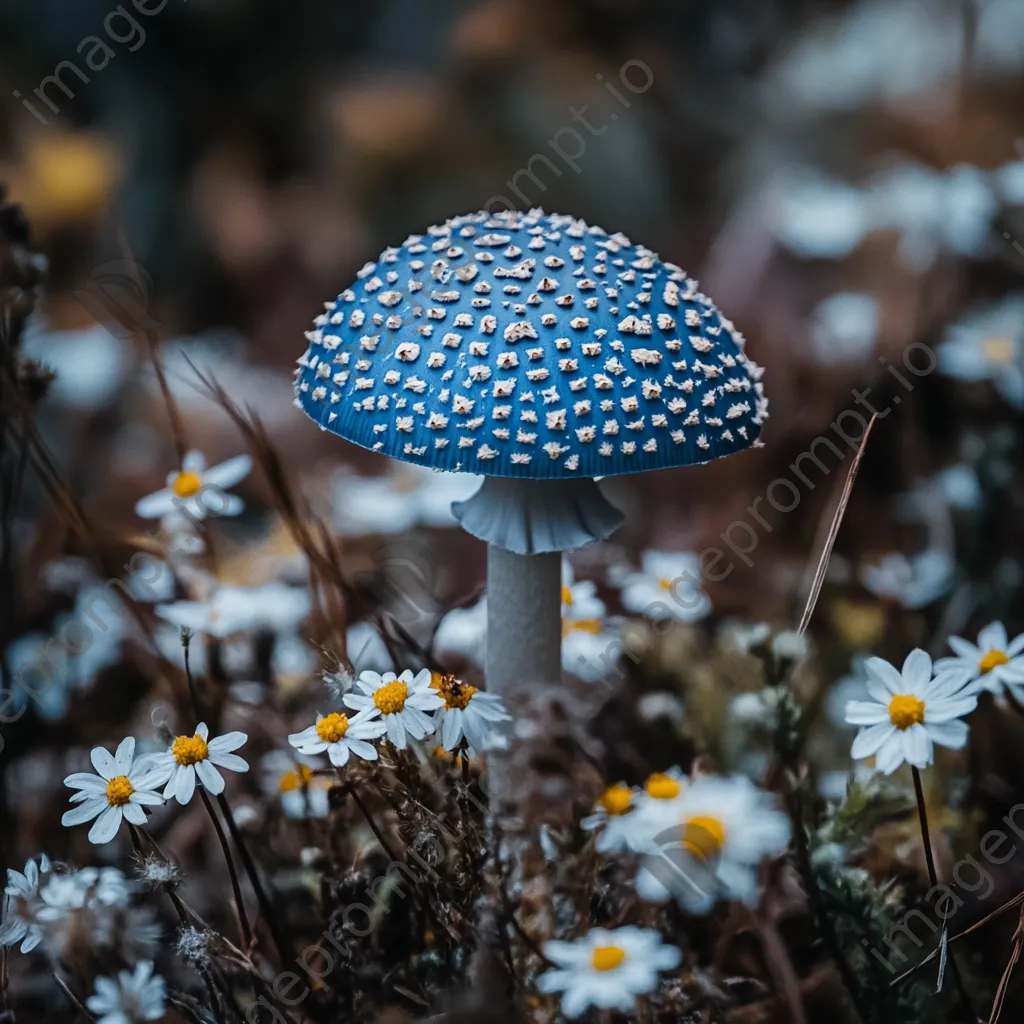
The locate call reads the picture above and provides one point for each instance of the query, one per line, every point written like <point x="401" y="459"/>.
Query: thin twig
<point x="826" y="554"/>
<point x="1004" y="981"/>
<point x="266" y="908"/>
<point x="934" y="879"/>
<point x="243" y="919"/>
<point x="72" y="998"/>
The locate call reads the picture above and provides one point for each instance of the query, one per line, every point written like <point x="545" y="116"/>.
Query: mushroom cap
<point x="530" y="345"/>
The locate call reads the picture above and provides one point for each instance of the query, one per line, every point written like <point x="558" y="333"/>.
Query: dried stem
<point x="243" y="919"/>
<point x="266" y="908"/>
<point x="72" y="998"/>
<point x="929" y="857"/>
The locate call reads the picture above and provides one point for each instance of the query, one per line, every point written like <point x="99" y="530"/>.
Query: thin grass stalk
<point x="245" y="929"/>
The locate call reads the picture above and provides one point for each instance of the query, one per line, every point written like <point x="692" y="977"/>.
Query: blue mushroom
<point x="543" y="353"/>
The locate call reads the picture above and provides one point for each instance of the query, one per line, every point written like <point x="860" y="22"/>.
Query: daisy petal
<point x="949" y="734"/>
<point x="106" y="825"/>
<point x="865" y="712"/>
<point x="210" y="777"/>
<point x="84" y="812"/>
<point x="869" y="740"/>
<point x="103" y="762"/>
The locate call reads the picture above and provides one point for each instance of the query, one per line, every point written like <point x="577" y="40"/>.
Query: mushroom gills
<point x="530" y="517"/>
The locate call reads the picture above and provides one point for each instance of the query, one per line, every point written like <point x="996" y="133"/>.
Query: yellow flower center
<point x="616" y="799"/>
<point x="567" y="595"/>
<point x="665" y="583"/>
<point x="290" y="781"/>
<point x="186" y="484"/>
<point x="662" y="787"/>
<point x="391" y="697"/>
<point x="119" y="791"/>
<point x="999" y="350"/>
<point x="592" y="626"/>
<point x="333" y="727"/>
<point x="703" y="836"/>
<point x="190" y="749"/>
<point x="607" y="958"/>
<point x="992" y="660"/>
<point x="905" y="711"/>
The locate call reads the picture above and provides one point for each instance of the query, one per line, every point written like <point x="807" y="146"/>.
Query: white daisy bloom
<point x="197" y="491"/>
<point x="914" y="582"/>
<point x="20" y="923"/>
<point x="129" y="998"/>
<point x="463" y="631"/>
<point x="340" y="736"/>
<point x="585" y="644"/>
<point x="721" y="830"/>
<point x="668" y="585"/>
<point x="614" y="815"/>
<point x="655" y="804"/>
<point x="120" y="790"/>
<point x="274" y="606"/>
<point x="290" y="777"/>
<point x="197" y="757"/>
<point x="994" y="663"/>
<point x="403" y="701"/>
<point x="468" y="713"/>
<point x="909" y="712"/>
<point x="606" y="968"/>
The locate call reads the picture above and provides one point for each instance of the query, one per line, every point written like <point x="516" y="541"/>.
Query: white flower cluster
<point x="403" y="708"/>
<point x="59" y="912"/>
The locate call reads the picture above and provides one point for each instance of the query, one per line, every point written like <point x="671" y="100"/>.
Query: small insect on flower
<point x="468" y="713"/>
<point x="340" y="736"/>
<point x="994" y="663"/>
<point x="403" y="703"/>
<point x="606" y="968"/>
<point x="129" y="998"/>
<point x="120" y="790"/>
<point x="20" y="923"/>
<point x="721" y="830"/>
<point x="614" y="816"/>
<point x="196" y="491"/>
<point x="198" y="757"/>
<point x="909" y="712"/>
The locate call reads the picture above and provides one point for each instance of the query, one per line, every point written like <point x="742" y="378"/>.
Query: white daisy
<point x="909" y="712"/>
<point x="274" y="607"/>
<point x="290" y="777"/>
<point x="463" y="631"/>
<point x="614" y="816"/>
<point x="20" y="923"/>
<point x="606" y="968"/>
<point x="585" y="643"/>
<point x="655" y="804"/>
<point x="341" y="736"/>
<point x="993" y="663"/>
<point x="408" y="496"/>
<point x="129" y="998"/>
<point x="197" y="491"/>
<point x="197" y="756"/>
<point x="403" y="703"/>
<point x="120" y="790"/>
<point x="468" y="713"/>
<point x="914" y="582"/>
<point x="668" y="585"/>
<point x="721" y="830"/>
<point x="989" y="345"/>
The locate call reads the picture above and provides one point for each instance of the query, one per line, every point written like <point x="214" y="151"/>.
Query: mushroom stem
<point x="524" y="618"/>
